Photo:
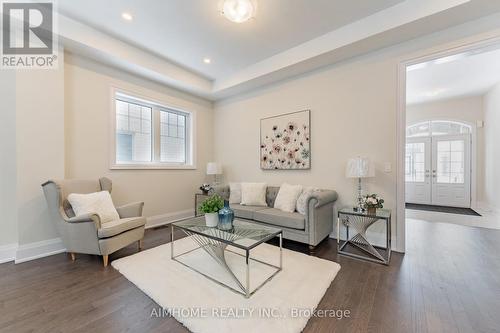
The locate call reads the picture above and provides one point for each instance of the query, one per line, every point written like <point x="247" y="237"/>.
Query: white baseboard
<point x="36" y="250"/>
<point x="159" y="220"/>
<point x="488" y="208"/>
<point x="8" y="252"/>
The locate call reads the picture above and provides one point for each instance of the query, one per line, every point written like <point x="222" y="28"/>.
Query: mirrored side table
<point x="356" y="244"/>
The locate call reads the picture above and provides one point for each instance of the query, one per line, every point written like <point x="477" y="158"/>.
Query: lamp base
<point x="360" y="197"/>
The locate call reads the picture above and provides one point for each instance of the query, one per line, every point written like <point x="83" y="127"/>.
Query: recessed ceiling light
<point x="239" y="10"/>
<point x="207" y="60"/>
<point x="127" y="16"/>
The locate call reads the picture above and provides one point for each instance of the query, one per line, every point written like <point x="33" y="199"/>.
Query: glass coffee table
<point x="244" y="237"/>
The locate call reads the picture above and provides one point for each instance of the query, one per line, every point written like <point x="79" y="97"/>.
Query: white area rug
<point x="284" y="304"/>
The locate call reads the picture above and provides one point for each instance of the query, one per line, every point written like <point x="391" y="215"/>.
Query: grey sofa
<point x="86" y="234"/>
<point x="310" y="228"/>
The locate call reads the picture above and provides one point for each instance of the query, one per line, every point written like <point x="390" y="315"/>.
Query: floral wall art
<point x="285" y="141"/>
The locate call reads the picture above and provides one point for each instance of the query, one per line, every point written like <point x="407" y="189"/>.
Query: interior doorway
<point x="438" y="163"/>
<point x="457" y="90"/>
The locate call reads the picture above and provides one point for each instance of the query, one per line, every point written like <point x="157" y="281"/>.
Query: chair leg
<point x="105" y="260"/>
<point x="72" y="254"/>
<point x="140" y="244"/>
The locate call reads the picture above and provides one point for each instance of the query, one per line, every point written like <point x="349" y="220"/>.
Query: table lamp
<point x="214" y="168"/>
<point x="359" y="167"/>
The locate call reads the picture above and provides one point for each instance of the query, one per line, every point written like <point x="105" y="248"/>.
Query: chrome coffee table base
<point x="215" y="244"/>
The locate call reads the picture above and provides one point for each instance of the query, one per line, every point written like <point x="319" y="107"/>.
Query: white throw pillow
<point x="234" y="193"/>
<point x="253" y="194"/>
<point x="98" y="202"/>
<point x="287" y="197"/>
<point x="307" y="192"/>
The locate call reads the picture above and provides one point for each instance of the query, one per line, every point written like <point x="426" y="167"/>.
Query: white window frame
<point x="157" y="107"/>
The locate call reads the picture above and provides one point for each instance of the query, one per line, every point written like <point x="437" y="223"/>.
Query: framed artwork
<point x="285" y="141"/>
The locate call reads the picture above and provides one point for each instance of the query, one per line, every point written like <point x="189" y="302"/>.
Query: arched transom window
<point x="437" y="127"/>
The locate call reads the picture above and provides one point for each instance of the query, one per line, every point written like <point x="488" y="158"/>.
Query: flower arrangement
<point x="373" y="201"/>
<point x="212" y="204"/>
<point x="205" y="188"/>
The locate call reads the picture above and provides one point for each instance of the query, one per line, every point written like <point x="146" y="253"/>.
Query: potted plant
<point x="371" y="202"/>
<point x="211" y="207"/>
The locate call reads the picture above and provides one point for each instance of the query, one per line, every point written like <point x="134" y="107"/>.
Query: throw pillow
<point x="234" y="193"/>
<point x="253" y="194"/>
<point x="287" y="197"/>
<point x="304" y="198"/>
<point x="98" y="202"/>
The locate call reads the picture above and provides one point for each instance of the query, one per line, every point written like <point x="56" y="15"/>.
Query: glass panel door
<point x="451" y="170"/>
<point x="417" y="170"/>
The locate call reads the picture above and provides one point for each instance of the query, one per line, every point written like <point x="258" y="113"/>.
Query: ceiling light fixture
<point x="207" y="60"/>
<point x="127" y="16"/>
<point x="238" y="10"/>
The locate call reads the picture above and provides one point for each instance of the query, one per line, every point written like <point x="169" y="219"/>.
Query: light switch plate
<point x="387" y="167"/>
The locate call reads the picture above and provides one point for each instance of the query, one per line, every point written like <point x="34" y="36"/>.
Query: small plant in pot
<point x="371" y="202"/>
<point x="211" y="207"/>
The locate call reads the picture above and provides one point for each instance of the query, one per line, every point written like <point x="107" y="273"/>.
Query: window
<point x="414" y="162"/>
<point x="451" y="162"/>
<point x="437" y="127"/>
<point x="149" y="135"/>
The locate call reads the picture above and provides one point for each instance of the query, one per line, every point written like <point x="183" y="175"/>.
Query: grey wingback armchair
<point x="86" y="233"/>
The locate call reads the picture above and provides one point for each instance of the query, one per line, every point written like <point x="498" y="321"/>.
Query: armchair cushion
<point x="99" y="203"/>
<point x="116" y="227"/>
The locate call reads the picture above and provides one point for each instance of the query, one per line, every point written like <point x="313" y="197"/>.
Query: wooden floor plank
<point x="448" y="281"/>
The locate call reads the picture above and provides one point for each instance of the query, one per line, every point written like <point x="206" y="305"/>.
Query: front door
<point x="451" y="170"/>
<point x="438" y="170"/>
<point x="418" y="170"/>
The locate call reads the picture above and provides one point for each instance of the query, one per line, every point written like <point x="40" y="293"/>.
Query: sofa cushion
<point x="286" y="200"/>
<point x="253" y="194"/>
<point x="245" y="212"/>
<point x="279" y="218"/>
<point x="234" y="193"/>
<point x="116" y="227"/>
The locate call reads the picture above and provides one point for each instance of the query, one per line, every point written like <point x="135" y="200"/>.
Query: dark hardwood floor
<point x="448" y="281"/>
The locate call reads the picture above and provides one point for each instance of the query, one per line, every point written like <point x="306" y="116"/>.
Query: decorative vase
<point x="371" y="210"/>
<point x="226" y="217"/>
<point x="211" y="219"/>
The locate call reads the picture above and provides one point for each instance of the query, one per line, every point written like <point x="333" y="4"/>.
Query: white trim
<point x="400" y="225"/>
<point x="8" y="252"/>
<point x="36" y="250"/>
<point x="155" y="103"/>
<point x="401" y="123"/>
<point x="159" y="220"/>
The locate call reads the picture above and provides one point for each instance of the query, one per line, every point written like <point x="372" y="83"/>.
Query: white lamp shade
<point x="214" y="168"/>
<point x="359" y="167"/>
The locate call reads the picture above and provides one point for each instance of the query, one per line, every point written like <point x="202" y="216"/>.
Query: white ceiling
<point x="453" y="76"/>
<point x="186" y="31"/>
<point x="167" y="39"/>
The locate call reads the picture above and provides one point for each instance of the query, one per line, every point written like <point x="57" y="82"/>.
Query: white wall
<point x="492" y="148"/>
<point x="88" y="107"/>
<point x="40" y="147"/>
<point x="353" y="112"/>
<point x="8" y="211"/>
<point x="466" y="109"/>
